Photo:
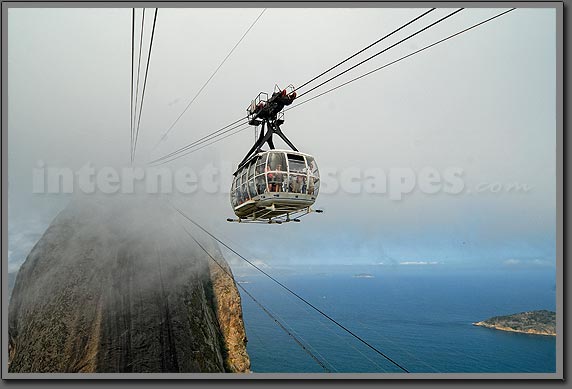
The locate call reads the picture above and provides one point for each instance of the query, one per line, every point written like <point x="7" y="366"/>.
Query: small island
<point x="535" y="322"/>
<point x="363" y="275"/>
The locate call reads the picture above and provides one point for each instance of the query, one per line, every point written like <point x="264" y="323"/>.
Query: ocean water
<point x="420" y="318"/>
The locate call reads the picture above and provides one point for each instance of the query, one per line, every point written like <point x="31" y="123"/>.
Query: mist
<point x="483" y="102"/>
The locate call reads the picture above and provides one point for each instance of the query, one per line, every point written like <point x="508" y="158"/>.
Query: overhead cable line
<point x="132" y="74"/>
<point x="243" y="126"/>
<point x="194" y="143"/>
<point x="213" y="136"/>
<point x="145" y="82"/>
<point x="342" y="339"/>
<point x="402" y="58"/>
<point x="382" y="51"/>
<point x="365" y="48"/>
<point x="214" y="133"/>
<point x="266" y="311"/>
<point x="208" y="80"/>
<point x="206" y="137"/>
<point x="291" y="328"/>
<point x="294" y="293"/>
<point x="138" y="77"/>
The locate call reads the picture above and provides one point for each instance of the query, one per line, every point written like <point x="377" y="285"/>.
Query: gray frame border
<point x="558" y="6"/>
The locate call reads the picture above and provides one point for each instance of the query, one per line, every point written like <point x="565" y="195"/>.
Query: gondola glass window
<point x="251" y="186"/>
<point x="244" y="196"/>
<point x="313" y="176"/>
<point x="297" y="182"/>
<point x="275" y="172"/>
<point x="260" y="178"/>
<point x="233" y="198"/>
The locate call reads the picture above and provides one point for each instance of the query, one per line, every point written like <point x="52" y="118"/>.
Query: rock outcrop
<point x="118" y="286"/>
<point x="535" y="322"/>
<point x="229" y="313"/>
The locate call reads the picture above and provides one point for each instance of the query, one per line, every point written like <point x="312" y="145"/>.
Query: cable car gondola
<point x="273" y="186"/>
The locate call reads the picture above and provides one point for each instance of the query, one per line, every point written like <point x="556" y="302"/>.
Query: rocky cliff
<point x="118" y="286"/>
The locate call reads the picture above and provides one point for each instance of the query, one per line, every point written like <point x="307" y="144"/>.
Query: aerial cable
<point x="402" y="58"/>
<point x="206" y="137"/>
<point x="365" y="48"/>
<point x="294" y="293"/>
<point x="266" y="311"/>
<point x="381" y="52"/>
<point x="244" y="126"/>
<point x="339" y="86"/>
<point x="132" y="74"/>
<point x="208" y="80"/>
<point x="308" y="344"/>
<point x="138" y="72"/>
<point x="425" y="28"/>
<point x="145" y="82"/>
<point x="342" y="339"/>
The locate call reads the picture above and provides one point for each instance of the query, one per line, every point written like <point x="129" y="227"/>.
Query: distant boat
<point x="363" y="275"/>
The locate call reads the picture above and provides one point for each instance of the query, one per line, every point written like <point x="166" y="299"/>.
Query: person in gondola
<point x="311" y="185"/>
<point x="270" y="176"/>
<point x="278" y="179"/>
<point x="246" y="195"/>
<point x="238" y="196"/>
<point x="261" y="185"/>
<point x="294" y="186"/>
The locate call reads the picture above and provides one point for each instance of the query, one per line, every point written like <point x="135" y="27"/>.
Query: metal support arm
<point x="272" y="127"/>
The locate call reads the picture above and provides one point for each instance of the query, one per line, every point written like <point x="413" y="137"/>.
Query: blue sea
<point x="421" y="318"/>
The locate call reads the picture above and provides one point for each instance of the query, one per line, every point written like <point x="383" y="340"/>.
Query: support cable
<point x="245" y="126"/>
<point x="204" y="138"/>
<point x="294" y="293"/>
<point x="382" y="51"/>
<point x="138" y="78"/>
<point x="207" y="82"/>
<point x="365" y="48"/>
<point x="145" y="82"/>
<point x="214" y="134"/>
<point x="402" y="58"/>
<point x="132" y="81"/>
<point x="270" y="315"/>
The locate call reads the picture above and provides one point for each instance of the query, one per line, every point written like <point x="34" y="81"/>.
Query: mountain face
<point x="11" y="281"/>
<point x="119" y="286"/>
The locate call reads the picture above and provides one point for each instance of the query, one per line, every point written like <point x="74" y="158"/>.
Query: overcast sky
<point x="483" y="102"/>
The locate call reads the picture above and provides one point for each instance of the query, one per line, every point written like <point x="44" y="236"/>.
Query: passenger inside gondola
<point x="295" y="183"/>
<point x="311" y="185"/>
<point x="245" y="194"/>
<point x="261" y="185"/>
<point x="275" y="179"/>
<point x="238" y="196"/>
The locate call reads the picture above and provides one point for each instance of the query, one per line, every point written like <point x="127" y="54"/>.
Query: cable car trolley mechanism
<point x="273" y="186"/>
